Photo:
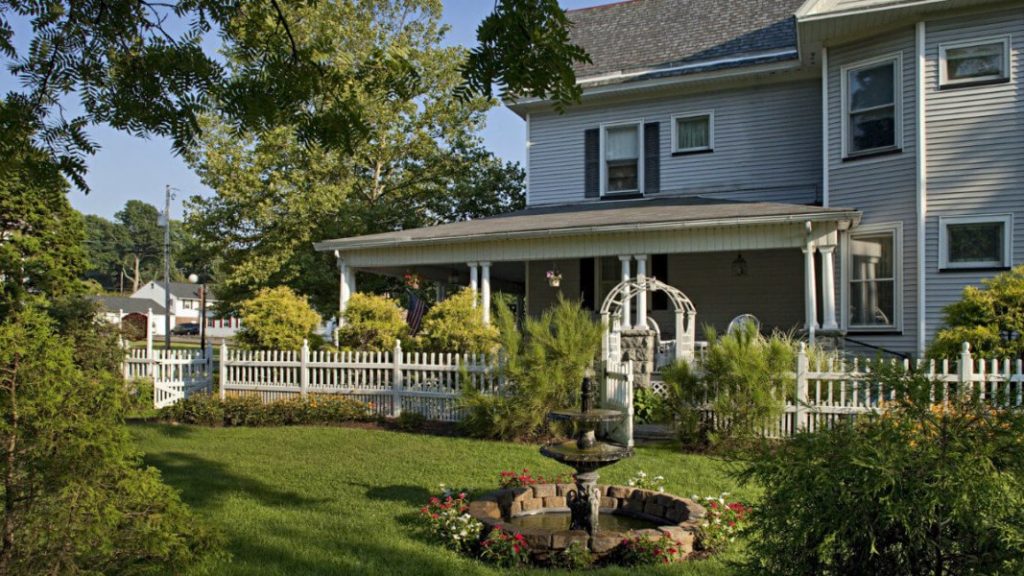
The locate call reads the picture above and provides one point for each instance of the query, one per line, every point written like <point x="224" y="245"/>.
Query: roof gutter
<point x="851" y="218"/>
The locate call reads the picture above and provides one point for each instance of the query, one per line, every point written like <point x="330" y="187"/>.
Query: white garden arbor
<point x="616" y="315"/>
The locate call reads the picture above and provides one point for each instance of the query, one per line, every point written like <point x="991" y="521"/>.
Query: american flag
<point x="414" y="316"/>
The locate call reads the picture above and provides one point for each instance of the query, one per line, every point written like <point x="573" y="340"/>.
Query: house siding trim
<point x="920" y="38"/>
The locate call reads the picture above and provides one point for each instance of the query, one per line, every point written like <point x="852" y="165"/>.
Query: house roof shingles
<point x="594" y="216"/>
<point x="648" y="34"/>
<point x="127" y="305"/>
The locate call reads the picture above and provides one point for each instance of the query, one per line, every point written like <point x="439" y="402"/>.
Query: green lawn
<point x="309" y="500"/>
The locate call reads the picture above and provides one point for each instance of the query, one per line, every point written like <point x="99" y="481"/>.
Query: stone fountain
<point x="586" y="454"/>
<point x="552" y="517"/>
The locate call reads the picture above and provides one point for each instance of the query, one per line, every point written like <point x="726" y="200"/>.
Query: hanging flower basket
<point x="554" y="278"/>
<point x="412" y="280"/>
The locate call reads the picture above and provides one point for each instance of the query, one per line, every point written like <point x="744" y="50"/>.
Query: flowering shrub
<point x="504" y="549"/>
<point x="512" y="479"/>
<point x="450" y="521"/>
<point x="723" y="522"/>
<point x="642" y="480"/>
<point x="646" y="550"/>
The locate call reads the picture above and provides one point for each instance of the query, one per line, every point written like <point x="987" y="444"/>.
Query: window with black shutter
<point x="659" y="269"/>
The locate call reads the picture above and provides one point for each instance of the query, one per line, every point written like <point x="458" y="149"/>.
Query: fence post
<point x="150" y="369"/>
<point x="222" y="382"/>
<point x="396" y="380"/>
<point x="800" y="421"/>
<point x="304" y="369"/>
<point x="966" y="368"/>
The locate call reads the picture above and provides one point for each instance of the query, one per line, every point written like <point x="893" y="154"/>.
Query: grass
<point x="319" y="500"/>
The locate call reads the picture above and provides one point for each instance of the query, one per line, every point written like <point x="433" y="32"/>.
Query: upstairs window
<point x="621" y="152"/>
<point x="871" y="101"/>
<point x="975" y="241"/>
<point x="974" y="62"/>
<point x="693" y="133"/>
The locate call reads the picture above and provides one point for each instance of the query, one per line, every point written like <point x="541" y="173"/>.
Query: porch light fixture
<point x="739" y="265"/>
<point x="554" y="277"/>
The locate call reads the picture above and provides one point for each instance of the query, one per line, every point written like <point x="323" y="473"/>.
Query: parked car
<point x="186" y="329"/>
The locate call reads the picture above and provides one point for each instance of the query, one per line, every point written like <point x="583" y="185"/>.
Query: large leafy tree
<point x="420" y="164"/>
<point x="150" y="67"/>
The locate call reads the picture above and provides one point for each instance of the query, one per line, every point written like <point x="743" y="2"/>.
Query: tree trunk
<point x="135" y="279"/>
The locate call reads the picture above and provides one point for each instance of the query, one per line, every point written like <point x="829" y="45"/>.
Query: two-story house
<point x="840" y="166"/>
<point x="186" y="307"/>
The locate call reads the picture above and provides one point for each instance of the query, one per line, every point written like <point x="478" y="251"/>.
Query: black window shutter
<point x="587" y="284"/>
<point x="592" y="163"/>
<point x="659" y="269"/>
<point x="652" y="159"/>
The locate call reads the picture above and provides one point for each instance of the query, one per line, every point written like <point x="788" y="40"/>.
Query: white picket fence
<point x="833" y="390"/>
<point x="176" y="374"/>
<point x="390" y="382"/>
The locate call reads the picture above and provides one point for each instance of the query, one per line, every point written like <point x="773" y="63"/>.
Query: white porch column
<point x="474" y="272"/>
<point x="641" y="297"/>
<point x="344" y="288"/>
<point x="828" y="287"/>
<point x="810" y="291"/>
<point x="627" y="297"/>
<point x="485" y="290"/>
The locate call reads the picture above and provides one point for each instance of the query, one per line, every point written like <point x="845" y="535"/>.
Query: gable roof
<point x="185" y="290"/>
<point x="113" y="304"/>
<point x="645" y="38"/>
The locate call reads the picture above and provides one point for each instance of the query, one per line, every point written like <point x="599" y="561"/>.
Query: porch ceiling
<point x="688" y="224"/>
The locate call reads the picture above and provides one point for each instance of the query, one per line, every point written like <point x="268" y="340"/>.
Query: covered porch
<point x="772" y="260"/>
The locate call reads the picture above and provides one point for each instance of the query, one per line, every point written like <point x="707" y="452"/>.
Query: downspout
<point x="824" y="127"/>
<point x="922" y="186"/>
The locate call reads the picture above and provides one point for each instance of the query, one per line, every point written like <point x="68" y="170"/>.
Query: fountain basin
<point x="520" y="510"/>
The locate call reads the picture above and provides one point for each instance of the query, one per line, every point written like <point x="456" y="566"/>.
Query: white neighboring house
<point x="185" y="307"/>
<point x="122" y="310"/>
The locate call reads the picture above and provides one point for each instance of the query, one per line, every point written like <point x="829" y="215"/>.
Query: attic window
<point x="974" y="62"/>
<point x="693" y="133"/>
<point x="621" y="153"/>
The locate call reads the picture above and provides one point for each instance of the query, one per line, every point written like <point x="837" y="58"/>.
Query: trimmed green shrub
<point x="455" y="325"/>
<point x="542" y="369"/>
<point x="250" y="410"/>
<point x="372" y="322"/>
<point x="979" y="317"/>
<point x="277" y="319"/>
<point x="410" y="421"/>
<point x="920" y="490"/>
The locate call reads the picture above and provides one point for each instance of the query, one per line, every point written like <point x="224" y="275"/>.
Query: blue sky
<point x="127" y="167"/>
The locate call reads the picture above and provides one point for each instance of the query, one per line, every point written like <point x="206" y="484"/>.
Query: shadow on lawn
<point x="203" y="481"/>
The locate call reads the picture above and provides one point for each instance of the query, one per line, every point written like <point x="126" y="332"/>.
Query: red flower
<point x="519" y="537"/>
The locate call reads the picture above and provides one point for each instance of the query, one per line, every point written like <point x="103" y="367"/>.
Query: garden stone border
<point x="681" y="517"/>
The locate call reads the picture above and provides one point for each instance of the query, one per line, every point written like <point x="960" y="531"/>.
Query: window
<point x="975" y="62"/>
<point x="975" y="241"/>
<point x="693" y="133"/>
<point x="187" y="304"/>
<point x="874" y="265"/>
<point x="621" y="152"/>
<point x="871" y="102"/>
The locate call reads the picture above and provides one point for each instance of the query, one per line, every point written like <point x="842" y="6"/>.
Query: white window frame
<point x="1005" y="219"/>
<point x="896" y="229"/>
<point x="946" y="82"/>
<point x="639" y="161"/>
<point x="710" y="114"/>
<point x="844" y="75"/>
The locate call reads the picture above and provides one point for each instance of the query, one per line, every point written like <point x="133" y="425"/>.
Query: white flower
<point x="661" y="488"/>
<point x="631" y="482"/>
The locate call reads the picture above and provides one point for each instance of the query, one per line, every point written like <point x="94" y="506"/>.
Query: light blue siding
<point x="767" y="145"/>
<point x="975" y="138"/>
<point x="883" y="187"/>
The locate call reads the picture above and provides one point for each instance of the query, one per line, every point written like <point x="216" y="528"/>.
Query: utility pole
<point x="167" y="267"/>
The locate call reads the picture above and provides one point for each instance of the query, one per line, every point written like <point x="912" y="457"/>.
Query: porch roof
<point x="621" y="216"/>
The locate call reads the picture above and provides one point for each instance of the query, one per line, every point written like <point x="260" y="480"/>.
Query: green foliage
<point x="575" y="557"/>
<point x="372" y="322"/>
<point x="40" y="234"/>
<point x="749" y="377"/>
<point x="921" y="489"/>
<point x="250" y="410"/>
<point x="645" y="550"/>
<point x="525" y="48"/>
<point x="422" y="163"/>
<point x="543" y="369"/>
<point x="648" y="406"/>
<point x="410" y="421"/>
<point x="684" y="396"/>
<point x="76" y="499"/>
<point x="979" y="317"/>
<point x="276" y="319"/>
<point x="455" y="325"/>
